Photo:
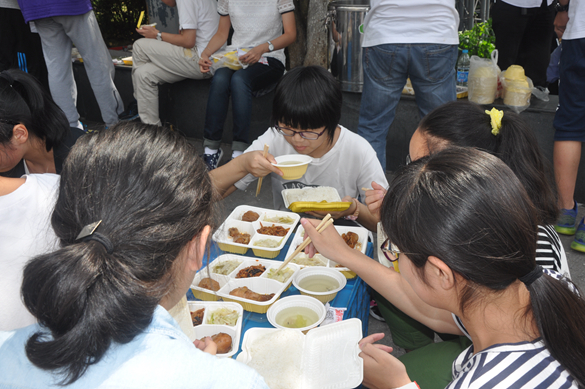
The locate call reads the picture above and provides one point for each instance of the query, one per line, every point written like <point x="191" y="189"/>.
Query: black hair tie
<point x="104" y="240"/>
<point x="531" y="276"/>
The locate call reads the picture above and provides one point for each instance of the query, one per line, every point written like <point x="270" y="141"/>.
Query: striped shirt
<point x="523" y="365"/>
<point x="550" y="253"/>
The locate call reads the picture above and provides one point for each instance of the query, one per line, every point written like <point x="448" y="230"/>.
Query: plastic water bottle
<point x="463" y="68"/>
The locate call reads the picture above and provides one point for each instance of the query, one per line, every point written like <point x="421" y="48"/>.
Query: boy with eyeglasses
<point x="305" y="120"/>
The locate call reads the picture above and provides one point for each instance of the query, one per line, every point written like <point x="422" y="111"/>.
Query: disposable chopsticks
<point x="326" y="222"/>
<point x="260" y="179"/>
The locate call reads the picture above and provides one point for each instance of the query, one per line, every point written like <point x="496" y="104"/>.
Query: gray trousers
<point x="58" y="33"/>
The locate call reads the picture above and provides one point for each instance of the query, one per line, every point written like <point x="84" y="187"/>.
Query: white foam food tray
<point x="266" y="217"/>
<point x="298" y="239"/>
<point x="329" y="359"/>
<point x="206" y="329"/>
<point x="310" y="193"/>
<point x="261" y="284"/>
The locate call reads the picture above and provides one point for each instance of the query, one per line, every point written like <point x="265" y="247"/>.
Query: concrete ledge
<point x="183" y="105"/>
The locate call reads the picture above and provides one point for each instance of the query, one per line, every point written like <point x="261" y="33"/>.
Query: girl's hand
<point x="329" y="243"/>
<point x="206" y="344"/>
<point x="254" y="163"/>
<point x="336" y="215"/>
<point x="204" y="63"/>
<point x="147" y="32"/>
<point x="381" y="369"/>
<point x="254" y="55"/>
<point x="374" y="198"/>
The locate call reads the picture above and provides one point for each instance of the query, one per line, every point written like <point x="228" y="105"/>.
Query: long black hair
<point x="153" y="195"/>
<point x="466" y="124"/>
<point x="24" y="100"/>
<point x="308" y="97"/>
<point x="469" y="209"/>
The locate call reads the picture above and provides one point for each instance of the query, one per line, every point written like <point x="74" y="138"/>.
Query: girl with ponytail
<point x="462" y="227"/>
<point x="35" y="136"/>
<point x="133" y="216"/>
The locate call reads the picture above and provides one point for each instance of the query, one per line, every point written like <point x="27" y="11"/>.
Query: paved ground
<point x="576" y="260"/>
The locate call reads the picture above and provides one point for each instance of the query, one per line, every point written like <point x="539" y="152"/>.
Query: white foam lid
<point x="310" y="191"/>
<point x="330" y="356"/>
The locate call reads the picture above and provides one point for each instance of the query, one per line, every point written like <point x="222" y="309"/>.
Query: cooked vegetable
<point x="223" y="316"/>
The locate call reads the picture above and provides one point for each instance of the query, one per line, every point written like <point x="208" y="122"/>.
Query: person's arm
<point x="216" y="42"/>
<point x="390" y="284"/>
<point x="561" y="20"/>
<point x="253" y="162"/>
<point x="365" y="217"/>
<point x="288" y="37"/>
<point x="185" y="38"/>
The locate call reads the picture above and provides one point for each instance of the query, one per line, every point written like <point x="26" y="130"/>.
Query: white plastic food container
<point x="261" y="284"/>
<point x="234" y="220"/>
<point x="206" y="329"/>
<point x="362" y="241"/>
<point x="329" y="357"/>
<point x="310" y="193"/>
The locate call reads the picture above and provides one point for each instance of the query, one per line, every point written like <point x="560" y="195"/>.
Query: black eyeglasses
<point x="310" y="135"/>
<point x="390" y="250"/>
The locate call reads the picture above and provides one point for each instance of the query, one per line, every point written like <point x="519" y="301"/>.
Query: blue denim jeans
<point x="240" y="84"/>
<point x="431" y="68"/>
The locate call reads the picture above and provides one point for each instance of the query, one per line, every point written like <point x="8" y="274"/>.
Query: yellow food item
<point x="306" y="206"/>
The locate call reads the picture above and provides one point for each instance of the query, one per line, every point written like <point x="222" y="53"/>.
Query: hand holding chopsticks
<point x="326" y="222"/>
<point x="260" y="179"/>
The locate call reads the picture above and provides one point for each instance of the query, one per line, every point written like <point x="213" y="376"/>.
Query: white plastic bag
<point x="516" y="90"/>
<point x="228" y="57"/>
<point x="482" y="82"/>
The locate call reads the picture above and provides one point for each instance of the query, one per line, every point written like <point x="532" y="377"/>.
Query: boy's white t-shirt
<point x="576" y="25"/>
<point x="412" y="21"/>
<point x="25" y="231"/>
<point x="200" y="15"/>
<point x="348" y="167"/>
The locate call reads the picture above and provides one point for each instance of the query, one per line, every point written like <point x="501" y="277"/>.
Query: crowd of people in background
<point x="101" y="233"/>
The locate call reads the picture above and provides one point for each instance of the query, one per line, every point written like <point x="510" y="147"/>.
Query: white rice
<point x="277" y="357"/>
<point x="313" y="194"/>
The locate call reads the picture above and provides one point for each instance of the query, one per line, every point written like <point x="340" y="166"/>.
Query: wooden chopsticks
<point x="260" y="179"/>
<point x="326" y="222"/>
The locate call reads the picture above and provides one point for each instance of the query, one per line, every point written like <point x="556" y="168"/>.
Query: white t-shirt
<point x="256" y="22"/>
<point x="25" y="231"/>
<point x="350" y="165"/>
<point x="576" y="26"/>
<point x="200" y="15"/>
<point x="412" y="21"/>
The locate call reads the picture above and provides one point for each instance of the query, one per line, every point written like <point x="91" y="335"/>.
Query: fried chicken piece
<point x="197" y="317"/>
<point x="238" y="237"/>
<point x="251" y="271"/>
<point x="250" y="216"/>
<point x="272" y="230"/>
<point x="209" y="283"/>
<point x="351" y="239"/>
<point x="242" y="238"/>
<point x="246" y="293"/>
<point x="223" y="342"/>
